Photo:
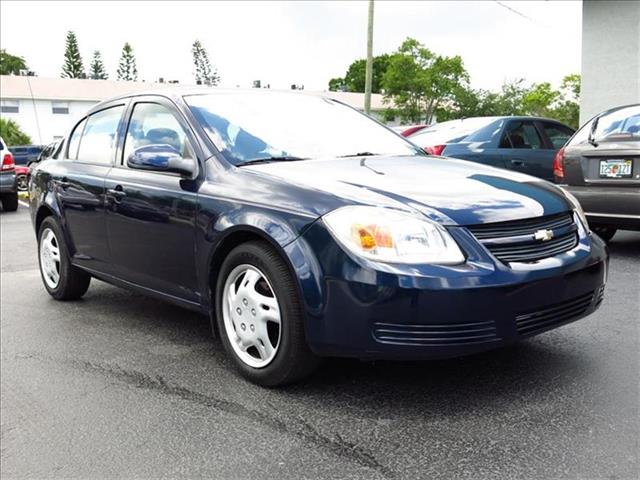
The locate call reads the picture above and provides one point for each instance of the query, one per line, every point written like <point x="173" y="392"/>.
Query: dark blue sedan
<point x="305" y="229"/>
<point x="522" y="144"/>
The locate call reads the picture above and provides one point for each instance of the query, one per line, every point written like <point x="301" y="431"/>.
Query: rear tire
<point x="10" y="202"/>
<point x="281" y="357"/>
<point x="605" y="233"/>
<point x="61" y="279"/>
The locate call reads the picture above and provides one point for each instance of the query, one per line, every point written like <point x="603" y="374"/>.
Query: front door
<point x="522" y="150"/>
<point x="151" y="215"/>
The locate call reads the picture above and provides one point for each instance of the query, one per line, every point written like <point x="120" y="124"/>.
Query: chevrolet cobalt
<point x="305" y="229"/>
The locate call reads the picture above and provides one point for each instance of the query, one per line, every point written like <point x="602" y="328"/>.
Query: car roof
<point x="176" y="93"/>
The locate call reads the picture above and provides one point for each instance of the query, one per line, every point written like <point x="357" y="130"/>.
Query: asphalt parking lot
<point x="118" y="385"/>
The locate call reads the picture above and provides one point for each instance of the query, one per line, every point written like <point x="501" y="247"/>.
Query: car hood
<point x="446" y="190"/>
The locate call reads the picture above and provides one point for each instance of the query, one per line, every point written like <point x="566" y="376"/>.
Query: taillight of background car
<point x="435" y="149"/>
<point x="558" y="166"/>
<point x="7" y="162"/>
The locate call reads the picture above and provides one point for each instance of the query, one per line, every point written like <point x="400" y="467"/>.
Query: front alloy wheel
<point x="259" y="316"/>
<point x="251" y="316"/>
<point x="22" y="182"/>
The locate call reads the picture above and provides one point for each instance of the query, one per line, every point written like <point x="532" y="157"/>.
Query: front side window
<point x="521" y="135"/>
<point x="155" y="124"/>
<point x="259" y="125"/>
<point x="98" y="142"/>
<point x="558" y="135"/>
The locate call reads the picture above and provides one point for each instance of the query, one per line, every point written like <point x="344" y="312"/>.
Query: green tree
<point x="127" y="70"/>
<point x="418" y="81"/>
<point x="72" y="67"/>
<point x="336" y="84"/>
<point x="204" y="73"/>
<point x="97" y="70"/>
<point x="568" y="108"/>
<point x="354" y="79"/>
<point x="11" y="64"/>
<point x="12" y="134"/>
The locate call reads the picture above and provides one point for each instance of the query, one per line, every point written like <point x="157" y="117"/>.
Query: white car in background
<point x="8" y="188"/>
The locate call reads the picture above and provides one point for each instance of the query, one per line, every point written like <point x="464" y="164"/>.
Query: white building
<point x="46" y="108"/>
<point x="610" y="55"/>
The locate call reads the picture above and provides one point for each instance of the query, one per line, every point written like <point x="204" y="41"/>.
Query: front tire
<point x="259" y="317"/>
<point x="10" y="202"/>
<point x="22" y="182"/>
<point x="61" y="279"/>
<point x="605" y="233"/>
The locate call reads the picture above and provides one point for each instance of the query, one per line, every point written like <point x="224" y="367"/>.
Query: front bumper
<point x="609" y="205"/>
<point x="353" y="309"/>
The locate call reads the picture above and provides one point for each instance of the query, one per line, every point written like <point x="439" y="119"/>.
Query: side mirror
<point x="161" y="158"/>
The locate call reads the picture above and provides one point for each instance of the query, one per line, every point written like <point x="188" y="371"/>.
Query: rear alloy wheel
<point x="22" y="182"/>
<point x="605" y="233"/>
<point x="259" y="316"/>
<point x="61" y="279"/>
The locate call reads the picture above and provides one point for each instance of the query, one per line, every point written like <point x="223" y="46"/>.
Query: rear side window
<point x="98" y="142"/>
<point x="521" y="135"/>
<point x="558" y="134"/>
<point x="74" y="140"/>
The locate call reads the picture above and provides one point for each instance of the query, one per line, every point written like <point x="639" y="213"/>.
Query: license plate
<point x="616" y="168"/>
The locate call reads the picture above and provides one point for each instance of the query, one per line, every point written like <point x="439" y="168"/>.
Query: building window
<point x="60" y="108"/>
<point x="9" y="106"/>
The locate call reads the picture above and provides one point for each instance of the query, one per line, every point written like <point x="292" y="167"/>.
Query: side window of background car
<point x="521" y="135"/>
<point x="558" y="134"/>
<point x="98" y="142"/>
<point x="155" y="124"/>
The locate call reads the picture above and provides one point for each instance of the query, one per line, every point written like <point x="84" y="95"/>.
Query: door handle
<point x="117" y="192"/>
<point x="516" y="162"/>
<point x="64" y="183"/>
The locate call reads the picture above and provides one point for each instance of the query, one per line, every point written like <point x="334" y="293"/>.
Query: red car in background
<point x="406" y="130"/>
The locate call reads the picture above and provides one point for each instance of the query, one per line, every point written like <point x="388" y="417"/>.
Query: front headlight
<point x="577" y="208"/>
<point x="392" y="236"/>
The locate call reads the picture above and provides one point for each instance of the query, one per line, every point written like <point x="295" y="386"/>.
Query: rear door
<point x="78" y="180"/>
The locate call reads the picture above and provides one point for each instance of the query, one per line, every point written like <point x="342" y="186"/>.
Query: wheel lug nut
<point x="245" y="302"/>
<point x="243" y="326"/>
<point x="253" y="312"/>
<point x="239" y="311"/>
<point x="253" y="328"/>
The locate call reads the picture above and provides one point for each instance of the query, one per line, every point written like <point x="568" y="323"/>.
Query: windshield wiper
<point x="282" y="158"/>
<point x="591" y="139"/>
<point x="360" y="154"/>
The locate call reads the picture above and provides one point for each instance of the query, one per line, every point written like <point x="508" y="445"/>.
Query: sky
<point x="302" y="42"/>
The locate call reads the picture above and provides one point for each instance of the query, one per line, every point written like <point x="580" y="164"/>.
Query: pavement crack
<point x="298" y="428"/>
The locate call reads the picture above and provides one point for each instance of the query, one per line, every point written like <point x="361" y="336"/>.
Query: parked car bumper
<point x="438" y="312"/>
<point x="617" y="207"/>
<point x="8" y="182"/>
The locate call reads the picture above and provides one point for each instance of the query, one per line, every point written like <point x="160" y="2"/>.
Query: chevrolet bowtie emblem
<point x="543" y="235"/>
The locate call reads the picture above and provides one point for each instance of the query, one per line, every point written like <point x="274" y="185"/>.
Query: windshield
<point x="250" y="126"/>
<point x="452" y="131"/>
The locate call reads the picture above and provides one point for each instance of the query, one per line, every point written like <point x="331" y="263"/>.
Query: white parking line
<point x="23" y="203"/>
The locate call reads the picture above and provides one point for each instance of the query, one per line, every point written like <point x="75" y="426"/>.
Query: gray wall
<point x="610" y="55"/>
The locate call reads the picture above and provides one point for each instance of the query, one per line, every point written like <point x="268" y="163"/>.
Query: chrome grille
<point x="516" y="241"/>
<point x="553" y="315"/>
<point x="435" y="335"/>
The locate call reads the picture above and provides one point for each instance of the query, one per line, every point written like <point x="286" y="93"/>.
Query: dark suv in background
<point x="600" y="166"/>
